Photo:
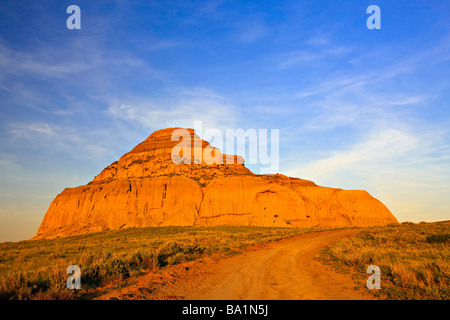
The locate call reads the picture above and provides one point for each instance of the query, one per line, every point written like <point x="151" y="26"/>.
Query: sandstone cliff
<point x="145" y="188"/>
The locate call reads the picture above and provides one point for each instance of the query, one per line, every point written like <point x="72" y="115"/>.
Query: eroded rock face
<point x="145" y="188"/>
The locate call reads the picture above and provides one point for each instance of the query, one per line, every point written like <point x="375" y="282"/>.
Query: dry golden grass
<point x="413" y="258"/>
<point x="36" y="269"/>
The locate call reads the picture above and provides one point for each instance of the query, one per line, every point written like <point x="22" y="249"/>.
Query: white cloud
<point x="187" y="106"/>
<point x="162" y="44"/>
<point x="92" y="144"/>
<point x="27" y="130"/>
<point x="364" y="76"/>
<point x="405" y="168"/>
<point x="304" y="57"/>
<point x="253" y="32"/>
<point x="70" y="62"/>
<point x="251" y="29"/>
<point x="6" y="165"/>
<point x="319" y="40"/>
<point x="382" y="145"/>
<point x="14" y="62"/>
<point x="378" y="139"/>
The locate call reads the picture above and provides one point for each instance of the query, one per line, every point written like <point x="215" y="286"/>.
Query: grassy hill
<point x="37" y="269"/>
<point x="414" y="259"/>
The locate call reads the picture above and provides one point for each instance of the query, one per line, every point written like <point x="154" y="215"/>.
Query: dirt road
<point x="285" y="270"/>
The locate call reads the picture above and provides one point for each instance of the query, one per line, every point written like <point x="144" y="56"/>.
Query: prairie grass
<point x="414" y="259"/>
<point x="36" y="269"/>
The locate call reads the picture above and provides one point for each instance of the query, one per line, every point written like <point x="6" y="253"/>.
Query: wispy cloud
<point x="359" y="108"/>
<point x="188" y="105"/>
<point x="162" y="44"/>
<point x="383" y="144"/>
<point x="302" y="57"/>
<point x="252" y="29"/>
<point x="27" y="130"/>
<point x="253" y="33"/>
<point x="405" y="168"/>
<point x="361" y="96"/>
<point x="318" y="40"/>
<point x="377" y="139"/>
<point x="13" y="62"/>
<point x="363" y="76"/>
<point x="38" y="100"/>
<point x="93" y="144"/>
<point x="79" y="61"/>
<point x="7" y="164"/>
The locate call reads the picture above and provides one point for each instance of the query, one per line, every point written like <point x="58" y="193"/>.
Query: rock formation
<point x="146" y="188"/>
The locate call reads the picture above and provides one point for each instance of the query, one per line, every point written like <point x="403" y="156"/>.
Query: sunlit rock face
<point x="146" y="188"/>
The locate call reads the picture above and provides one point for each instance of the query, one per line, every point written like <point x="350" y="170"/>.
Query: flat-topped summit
<point x="146" y="188"/>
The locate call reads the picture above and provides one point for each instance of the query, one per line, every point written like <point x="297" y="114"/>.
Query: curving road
<point x="283" y="270"/>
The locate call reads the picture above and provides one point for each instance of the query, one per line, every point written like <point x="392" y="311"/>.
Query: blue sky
<point x="356" y="108"/>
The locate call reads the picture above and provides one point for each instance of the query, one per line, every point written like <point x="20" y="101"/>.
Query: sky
<point x="355" y="108"/>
